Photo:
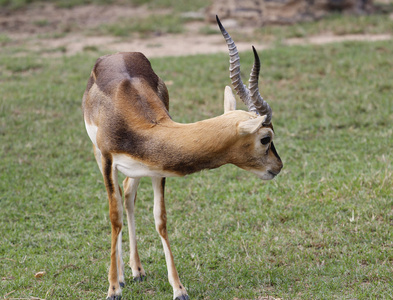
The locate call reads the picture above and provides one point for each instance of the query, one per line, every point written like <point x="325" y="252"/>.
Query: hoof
<point x="140" y="278"/>
<point x="114" y="297"/>
<point x="122" y="284"/>
<point x="182" y="297"/>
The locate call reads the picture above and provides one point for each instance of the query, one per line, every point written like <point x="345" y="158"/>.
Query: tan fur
<point x="125" y="107"/>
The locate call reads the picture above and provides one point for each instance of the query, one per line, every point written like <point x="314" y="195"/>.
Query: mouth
<point x="265" y="175"/>
<point x="272" y="173"/>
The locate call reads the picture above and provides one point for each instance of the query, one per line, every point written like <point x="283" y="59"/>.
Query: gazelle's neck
<point x="196" y="146"/>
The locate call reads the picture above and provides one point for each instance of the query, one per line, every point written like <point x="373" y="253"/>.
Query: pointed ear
<point x="251" y="126"/>
<point x="229" y="100"/>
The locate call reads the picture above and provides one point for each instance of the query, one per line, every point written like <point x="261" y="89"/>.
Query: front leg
<point x="130" y="186"/>
<point x="179" y="291"/>
<point x="116" y="218"/>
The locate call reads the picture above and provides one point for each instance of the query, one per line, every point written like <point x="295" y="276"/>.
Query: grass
<point x="173" y="22"/>
<point x="179" y="6"/>
<point x="143" y="27"/>
<point x="334" y="24"/>
<point x="170" y="20"/>
<point x="321" y="230"/>
<point x="167" y="21"/>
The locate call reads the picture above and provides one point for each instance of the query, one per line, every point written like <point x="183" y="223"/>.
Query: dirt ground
<point x="60" y="28"/>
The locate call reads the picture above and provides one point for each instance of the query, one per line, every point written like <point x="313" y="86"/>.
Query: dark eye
<point x="265" y="140"/>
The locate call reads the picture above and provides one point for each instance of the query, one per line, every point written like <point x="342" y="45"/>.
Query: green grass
<point x="321" y="230"/>
<point x="143" y="27"/>
<point x="334" y="24"/>
<point x="17" y="4"/>
<point x="178" y="6"/>
<point x="165" y="22"/>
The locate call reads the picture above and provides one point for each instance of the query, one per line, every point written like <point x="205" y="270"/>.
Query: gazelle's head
<point x="254" y="129"/>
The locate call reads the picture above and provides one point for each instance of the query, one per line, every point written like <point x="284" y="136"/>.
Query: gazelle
<point x="125" y="109"/>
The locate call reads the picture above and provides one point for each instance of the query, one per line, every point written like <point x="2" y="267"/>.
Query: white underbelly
<point x="134" y="168"/>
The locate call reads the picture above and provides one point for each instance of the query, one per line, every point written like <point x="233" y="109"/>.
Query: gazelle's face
<point x="263" y="159"/>
<point x="255" y="148"/>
